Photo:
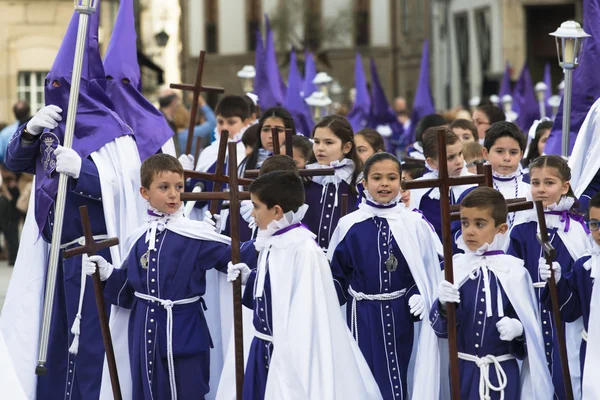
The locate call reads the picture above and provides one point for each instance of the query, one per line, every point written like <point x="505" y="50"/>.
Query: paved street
<point x="5" y="273"/>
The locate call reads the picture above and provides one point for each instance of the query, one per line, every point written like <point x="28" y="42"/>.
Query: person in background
<point x="22" y="113"/>
<point x="9" y="214"/>
<point x="249" y="138"/>
<point x="303" y="151"/>
<point x="411" y="169"/>
<point x="484" y="117"/>
<point x="253" y="106"/>
<point x="536" y="147"/>
<point x="168" y="101"/>
<point x="428" y="121"/>
<point x="206" y="122"/>
<point x="465" y="130"/>
<point x="368" y="142"/>
<point x="402" y="112"/>
<point x="473" y="154"/>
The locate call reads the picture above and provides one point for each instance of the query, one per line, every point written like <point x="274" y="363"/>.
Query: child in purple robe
<point x="162" y="281"/>
<point x="496" y="314"/>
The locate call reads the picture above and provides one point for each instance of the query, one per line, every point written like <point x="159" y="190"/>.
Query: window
<point x="31" y="88"/>
<point x="253" y="18"/>
<point x="362" y="25"/>
<point x="405" y="17"/>
<point x="484" y="37"/>
<point x="461" y="26"/>
<point x="211" y="11"/>
<point x="312" y="24"/>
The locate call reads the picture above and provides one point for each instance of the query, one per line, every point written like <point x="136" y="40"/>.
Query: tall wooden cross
<point x="234" y="196"/>
<point x="444" y="182"/>
<point x="91" y="248"/>
<point x="289" y="147"/>
<point x="195" y="88"/>
<point x="550" y="255"/>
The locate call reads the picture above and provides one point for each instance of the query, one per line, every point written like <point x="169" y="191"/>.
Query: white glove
<point x="213" y="220"/>
<point x="47" y="118"/>
<point x="89" y="264"/>
<point x="448" y="293"/>
<point x="68" y="162"/>
<point x="246" y="208"/>
<point x="509" y="328"/>
<point x="187" y="161"/>
<point x="545" y="270"/>
<point x="233" y="271"/>
<point x="417" y="305"/>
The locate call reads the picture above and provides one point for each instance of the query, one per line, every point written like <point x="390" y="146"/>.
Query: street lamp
<point x="569" y="42"/>
<point x="247" y="75"/>
<point x="561" y="88"/>
<point x="540" y="93"/>
<point x="554" y="102"/>
<point x="507" y="102"/>
<point x="322" y="80"/>
<point x="495" y="100"/>
<point x="474" y="102"/>
<point x="319" y="103"/>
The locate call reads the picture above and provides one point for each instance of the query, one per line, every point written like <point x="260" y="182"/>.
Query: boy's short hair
<point x="430" y="141"/>
<point x="427" y="122"/>
<point x="594" y="203"/>
<point x="279" y="188"/>
<point x="233" y="106"/>
<point x="250" y="136"/>
<point x="504" y="129"/>
<point x="472" y="150"/>
<point x="465" y="124"/>
<point x="488" y="199"/>
<point x="278" y="162"/>
<point x="414" y="167"/>
<point x="156" y="165"/>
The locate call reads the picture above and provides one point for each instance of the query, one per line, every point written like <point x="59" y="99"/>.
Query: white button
<point x="322" y="239"/>
<point x="152" y="291"/>
<point x="547" y="344"/>
<point x="385" y="280"/>
<point x="482" y="299"/>
<point x="476" y="334"/>
<point x="483" y="289"/>
<point x="150" y="362"/>
<point x="387" y="315"/>
<point x="70" y="371"/>
<point x="395" y="377"/>
<point x="262" y="309"/>
<point x="265" y="329"/>
<point x="389" y="343"/>
<point x="153" y="269"/>
<point x="476" y="346"/>
<point x="391" y="353"/>
<point x="149" y="330"/>
<point x="156" y="240"/>
<point x="149" y="341"/>
<point x="547" y="353"/>
<point x="385" y="252"/>
<point x="479" y="322"/>
<point x="388" y="325"/>
<point x="152" y="280"/>
<point x="544" y="311"/>
<point x="480" y="312"/>
<point x="327" y="216"/>
<point x="151" y="320"/>
<point x="329" y="205"/>
<point x="387" y="306"/>
<point x="544" y="322"/>
<point x="325" y="227"/>
<point x="152" y="310"/>
<point x="545" y="332"/>
<point x="385" y="244"/>
<point x="331" y="194"/>
<point x="154" y="259"/>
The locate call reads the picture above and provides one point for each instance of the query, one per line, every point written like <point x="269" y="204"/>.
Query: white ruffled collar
<point x="564" y="204"/>
<point x="498" y="244"/>
<point x="264" y="236"/>
<point x="343" y="171"/>
<point x="157" y="221"/>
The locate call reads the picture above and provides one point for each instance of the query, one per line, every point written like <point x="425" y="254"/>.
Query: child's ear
<point x="246" y="121"/>
<point x="278" y="212"/>
<point x="347" y="147"/>
<point x="432" y="162"/>
<point x="503" y="228"/>
<point x="485" y="154"/>
<point x="144" y="193"/>
<point x="566" y="187"/>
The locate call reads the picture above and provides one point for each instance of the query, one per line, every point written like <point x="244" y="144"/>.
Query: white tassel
<point x="75" y="330"/>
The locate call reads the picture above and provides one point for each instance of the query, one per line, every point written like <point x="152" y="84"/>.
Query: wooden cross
<point x="234" y="196"/>
<point x="550" y="255"/>
<point x="253" y="173"/>
<point x="289" y="147"/>
<point x="444" y="183"/>
<point x="196" y="88"/>
<point x="513" y="205"/>
<point x="91" y="248"/>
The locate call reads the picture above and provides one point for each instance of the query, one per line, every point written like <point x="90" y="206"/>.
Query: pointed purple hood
<point x="524" y="97"/>
<point x="150" y="128"/>
<point x="505" y="84"/>
<point x="96" y="123"/>
<point x="548" y="94"/>
<point x="294" y="102"/>
<point x="360" y="113"/>
<point x="275" y="82"/>
<point x="310" y="71"/>
<point x="423" y="103"/>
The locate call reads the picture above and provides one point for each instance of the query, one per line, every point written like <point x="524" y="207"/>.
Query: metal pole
<point x="566" y="127"/>
<point x="84" y="8"/>
<point x="542" y="109"/>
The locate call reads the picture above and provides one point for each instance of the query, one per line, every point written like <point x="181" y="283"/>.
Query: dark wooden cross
<point x="344" y="205"/>
<point x="234" y="196"/>
<point x="196" y="89"/>
<point x="289" y="147"/>
<point x="550" y="255"/>
<point x="91" y="248"/>
<point x="444" y="183"/>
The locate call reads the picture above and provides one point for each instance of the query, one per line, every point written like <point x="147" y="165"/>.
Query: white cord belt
<point x="263" y="336"/>
<point x="584" y="335"/>
<point x="358" y="296"/>
<point x="539" y="285"/>
<point x="485" y="386"/>
<point x="168" y="305"/>
<point x="81" y="241"/>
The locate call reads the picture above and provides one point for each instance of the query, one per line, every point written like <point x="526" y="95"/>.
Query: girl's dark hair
<point x="561" y="167"/>
<point x="249" y="136"/>
<point x="343" y="130"/>
<point x="372" y="137"/>
<point x="494" y="113"/>
<point x="414" y="167"/>
<point x="533" y="146"/>
<point x="303" y="144"/>
<point x="594" y="203"/>
<point x="275" y="112"/>
<point x="378" y="157"/>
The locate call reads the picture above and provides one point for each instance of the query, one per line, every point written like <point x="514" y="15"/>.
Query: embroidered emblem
<point x="48" y="143"/>
<point x="144" y="259"/>
<point x="391" y="264"/>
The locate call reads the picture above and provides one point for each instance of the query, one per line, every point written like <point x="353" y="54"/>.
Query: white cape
<point x="591" y="385"/>
<point x="584" y="161"/>
<point x="419" y="250"/>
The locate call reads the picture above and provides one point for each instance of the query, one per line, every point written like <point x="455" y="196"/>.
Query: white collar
<point x="263" y="238"/>
<point x="158" y="221"/>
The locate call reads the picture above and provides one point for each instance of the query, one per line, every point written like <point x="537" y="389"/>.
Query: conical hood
<point x="359" y="114"/>
<point x="121" y="61"/>
<point x="294" y="102"/>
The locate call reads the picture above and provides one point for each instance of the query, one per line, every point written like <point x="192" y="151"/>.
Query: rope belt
<point x="81" y="241"/>
<point x="263" y="336"/>
<point x="484" y="373"/>
<point x="584" y="335"/>
<point x="168" y="305"/>
<point x="358" y="296"/>
<point x="539" y="285"/>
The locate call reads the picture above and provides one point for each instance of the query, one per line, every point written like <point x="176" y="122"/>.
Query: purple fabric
<point x="275" y="83"/>
<point x="310" y="71"/>
<point x="525" y="100"/>
<point x="548" y="94"/>
<point x="381" y="206"/>
<point x="586" y="81"/>
<point x="294" y="102"/>
<point x="493" y="253"/>
<point x="505" y="83"/>
<point x="149" y="126"/>
<point x="423" y="103"/>
<point x="566" y="217"/>
<point x="289" y="228"/>
<point x="96" y="122"/>
<point x="360" y="112"/>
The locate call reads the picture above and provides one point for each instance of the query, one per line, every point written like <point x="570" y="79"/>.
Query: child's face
<point x="547" y="186"/>
<point x="482" y="123"/>
<point x="478" y="227"/>
<point x="328" y="147"/>
<point x="595" y="223"/>
<point x="298" y="157"/>
<point x="266" y="137"/>
<point x="504" y="156"/>
<point x="456" y="162"/>
<point x="542" y="143"/>
<point x="232" y="124"/>
<point x="405" y="193"/>
<point x="363" y="148"/>
<point x="263" y="215"/>
<point x="163" y="193"/>
<point x="471" y="164"/>
<point x="383" y="182"/>
<point x="464" y="135"/>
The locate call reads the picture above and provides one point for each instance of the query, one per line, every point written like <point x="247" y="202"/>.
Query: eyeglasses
<point x="474" y="163"/>
<point x="593" y="225"/>
<point x="478" y="122"/>
<point x="279" y="129"/>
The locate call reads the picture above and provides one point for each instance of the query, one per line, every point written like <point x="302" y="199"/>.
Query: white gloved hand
<point x="509" y="328"/>
<point x="187" y="161"/>
<point x="234" y="270"/>
<point x="213" y="220"/>
<point x="417" y="305"/>
<point x="68" y="162"/>
<point x="545" y="270"/>
<point x="47" y="118"/>
<point x="89" y="265"/>
<point x="246" y="208"/>
<point x="448" y="293"/>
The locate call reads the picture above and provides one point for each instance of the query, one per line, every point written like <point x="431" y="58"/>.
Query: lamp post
<point x="495" y="100"/>
<point x="561" y="88"/>
<point x="540" y="94"/>
<point x="569" y="42"/>
<point x="507" y="102"/>
<point x="319" y="103"/>
<point x="322" y="80"/>
<point x="474" y="102"/>
<point x="554" y="102"/>
<point x="247" y="75"/>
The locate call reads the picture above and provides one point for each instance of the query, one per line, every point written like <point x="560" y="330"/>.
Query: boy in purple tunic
<point x="496" y="312"/>
<point x="162" y="281"/>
